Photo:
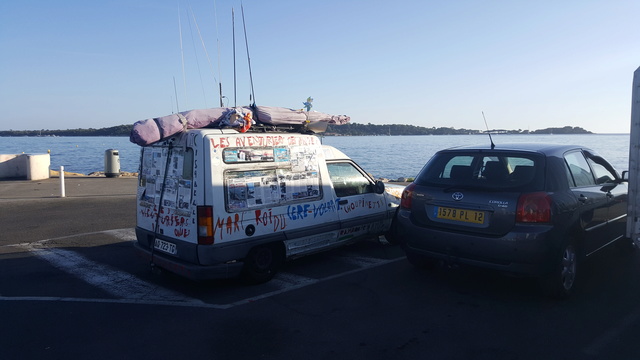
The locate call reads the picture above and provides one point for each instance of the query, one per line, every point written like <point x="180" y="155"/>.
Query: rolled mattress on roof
<point x="149" y="131"/>
<point x="284" y="116"/>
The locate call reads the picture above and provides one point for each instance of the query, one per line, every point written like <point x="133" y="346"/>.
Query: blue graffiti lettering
<point x="298" y="212"/>
<point x="319" y="210"/>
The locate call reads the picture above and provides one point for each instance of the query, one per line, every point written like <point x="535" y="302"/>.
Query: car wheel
<point x="562" y="279"/>
<point x="261" y="263"/>
<point x="420" y="261"/>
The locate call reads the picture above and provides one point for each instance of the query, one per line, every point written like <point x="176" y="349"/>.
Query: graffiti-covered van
<point x="218" y="203"/>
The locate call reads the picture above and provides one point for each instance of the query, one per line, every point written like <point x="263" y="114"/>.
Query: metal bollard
<point x="62" y="192"/>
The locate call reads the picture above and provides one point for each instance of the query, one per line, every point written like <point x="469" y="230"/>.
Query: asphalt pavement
<point x="36" y="210"/>
<point x="71" y="287"/>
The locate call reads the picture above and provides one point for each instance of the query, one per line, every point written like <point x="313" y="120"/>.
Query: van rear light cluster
<point x="205" y="225"/>
<point x="407" y="196"/>
<point x="534" y="208"/>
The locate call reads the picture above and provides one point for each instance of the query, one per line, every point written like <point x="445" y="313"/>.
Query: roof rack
<point x="316" y="127"/>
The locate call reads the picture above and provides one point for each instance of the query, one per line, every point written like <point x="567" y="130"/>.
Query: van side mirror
<point x="625" y="175"/>
<point x="606" y="187"/>
<point x="378" y="187"/>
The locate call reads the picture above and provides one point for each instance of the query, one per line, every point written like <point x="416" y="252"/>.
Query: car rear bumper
<point x="527" y="250"/>
<point x="188" y="270"/>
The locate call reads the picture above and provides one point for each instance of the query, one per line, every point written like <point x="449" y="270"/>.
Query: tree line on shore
<point x="349" y="129"/>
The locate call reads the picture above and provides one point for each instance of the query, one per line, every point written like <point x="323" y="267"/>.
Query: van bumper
<point x="190" y="271"/>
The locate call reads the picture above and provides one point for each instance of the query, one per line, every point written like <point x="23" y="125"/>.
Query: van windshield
<point x="483" y="170"/>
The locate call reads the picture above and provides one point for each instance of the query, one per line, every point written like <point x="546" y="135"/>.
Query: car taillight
<point x="534" y="208"/>
<point x="205" y="225"/>
<point x="407" y="196"/>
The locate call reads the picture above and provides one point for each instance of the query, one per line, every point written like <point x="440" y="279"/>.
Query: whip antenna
<point x="175" y="90"/>
<point x="246" y="42"/>
<point x="233" y="26"/>
<point x="184" y="76"/>
<point x="488" y="132"/>
<point x="215" y="13"/>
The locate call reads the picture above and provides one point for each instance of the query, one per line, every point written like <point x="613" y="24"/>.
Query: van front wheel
<point x="262" y="263"/>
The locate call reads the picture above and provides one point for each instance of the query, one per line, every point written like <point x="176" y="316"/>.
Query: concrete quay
<point x="34" y="210"/>
<point x="75" y="186"/>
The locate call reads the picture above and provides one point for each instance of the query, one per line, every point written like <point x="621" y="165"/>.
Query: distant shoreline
<point x="349" y="129"/>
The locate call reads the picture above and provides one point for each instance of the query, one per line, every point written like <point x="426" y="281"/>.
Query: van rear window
<point x="483" y="170"/>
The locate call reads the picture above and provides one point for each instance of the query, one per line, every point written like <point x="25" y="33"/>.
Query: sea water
<point x="388" y="157"/>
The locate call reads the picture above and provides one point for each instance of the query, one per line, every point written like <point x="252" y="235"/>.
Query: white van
<point x="216" y="203"/>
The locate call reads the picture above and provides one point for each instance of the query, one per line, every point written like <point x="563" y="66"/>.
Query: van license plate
<point x="470" y="216"/>
<point x="165" y="246"/>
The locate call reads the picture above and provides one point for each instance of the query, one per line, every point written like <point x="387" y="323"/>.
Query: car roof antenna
<point x="488" y="131"/>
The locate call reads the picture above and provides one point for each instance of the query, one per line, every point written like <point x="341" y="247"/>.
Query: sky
<point x="526" y="65"/>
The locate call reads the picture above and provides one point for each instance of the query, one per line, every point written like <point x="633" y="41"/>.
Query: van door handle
<point x="582" y="198"/>
<point x="343" y="202"/>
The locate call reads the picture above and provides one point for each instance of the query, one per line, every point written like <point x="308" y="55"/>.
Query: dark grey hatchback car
<point x="528" y="209"/>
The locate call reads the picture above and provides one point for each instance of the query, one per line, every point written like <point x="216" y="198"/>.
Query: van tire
<point x="261" y="263"/>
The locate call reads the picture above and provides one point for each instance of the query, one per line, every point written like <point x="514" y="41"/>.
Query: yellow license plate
<point x="470" y="216"/>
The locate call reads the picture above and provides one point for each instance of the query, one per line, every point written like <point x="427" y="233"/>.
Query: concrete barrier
<point x="25" y="166"/>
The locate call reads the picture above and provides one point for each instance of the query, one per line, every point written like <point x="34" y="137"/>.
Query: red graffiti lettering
<point x="219" y="142"/>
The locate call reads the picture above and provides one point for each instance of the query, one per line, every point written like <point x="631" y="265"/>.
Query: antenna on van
<point x="488" y="132"/>
<point x="233" y="32"/>
<point x="246" y="43"/>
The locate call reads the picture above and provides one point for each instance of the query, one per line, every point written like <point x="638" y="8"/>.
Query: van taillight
<point x="205" y="225"/>
<point x="534" y="208"/>
<point x="407" y="196"/>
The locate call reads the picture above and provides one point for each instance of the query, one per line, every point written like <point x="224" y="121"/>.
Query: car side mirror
<point x="606" y="187"/>
<point x="625" y="175"/>
<point x="378" y="187"/>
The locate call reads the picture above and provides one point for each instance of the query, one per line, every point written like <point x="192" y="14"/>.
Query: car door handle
<point x="342" y="202"/>
<point x="583" y="199"/>
<point x="609" y="195"/>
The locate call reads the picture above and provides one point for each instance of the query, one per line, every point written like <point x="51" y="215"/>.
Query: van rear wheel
<point x="262" y="263"/>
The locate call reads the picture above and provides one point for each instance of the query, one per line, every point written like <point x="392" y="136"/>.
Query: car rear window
<point x="489" y="170"/>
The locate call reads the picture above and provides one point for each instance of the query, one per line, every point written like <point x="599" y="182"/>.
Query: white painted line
<point x="197" y="304"/>
<point x="128" y="289"/>
<point x="117" y="283"/>
<point x="122" y="234"/>
<point x="285" y="280"/>
<point x="301" y="285"/>
<point x="114" y="301"/>
<point x="363" y="261"/>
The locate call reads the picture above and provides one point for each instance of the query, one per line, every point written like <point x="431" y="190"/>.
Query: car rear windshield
<point x="484" y="170"/>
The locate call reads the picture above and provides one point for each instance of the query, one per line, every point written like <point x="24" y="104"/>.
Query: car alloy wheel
<point x="568" y="267"/>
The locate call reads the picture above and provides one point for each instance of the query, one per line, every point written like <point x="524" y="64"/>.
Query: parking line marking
<point x="284" y="279"/>
<point x="128" y="289"/>
<point x="117" y="283"/>
<point x="350" y="258"/>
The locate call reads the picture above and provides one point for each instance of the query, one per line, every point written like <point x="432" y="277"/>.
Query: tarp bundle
<point x="149" y="131"/>
<point x="283" y="116"/>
